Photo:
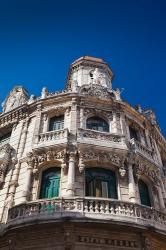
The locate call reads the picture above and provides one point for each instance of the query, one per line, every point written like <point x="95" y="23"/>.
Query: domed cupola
<point x="89" y="71"/>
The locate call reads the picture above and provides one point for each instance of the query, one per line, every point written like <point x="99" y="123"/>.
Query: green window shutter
<point x="50" y="183"/>
<point x="144" y="193"/>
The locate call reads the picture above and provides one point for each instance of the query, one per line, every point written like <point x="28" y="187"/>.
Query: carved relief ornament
<point x="98" y="112"/>
<point x="142" y="169"/>
<point x="100" y="156"/>
<point x="96" y="91"/>
<point x="6" y="157"/>
<point x="35" y="160"/>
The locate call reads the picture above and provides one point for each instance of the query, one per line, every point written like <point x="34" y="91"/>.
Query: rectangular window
<point x="133" y="133"/>
<point x="56" y="123"/>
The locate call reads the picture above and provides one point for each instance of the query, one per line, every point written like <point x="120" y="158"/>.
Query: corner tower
<point x="89" y="70"/>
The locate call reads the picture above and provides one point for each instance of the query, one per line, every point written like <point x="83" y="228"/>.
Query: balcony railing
<point x="52" y="137"/>
<point x="143" y="150"/>
<point x="103" y="138"/>
<point x="88" y="208"/>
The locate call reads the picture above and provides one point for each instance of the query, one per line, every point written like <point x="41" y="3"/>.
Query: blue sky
<point x="39" y="39"/>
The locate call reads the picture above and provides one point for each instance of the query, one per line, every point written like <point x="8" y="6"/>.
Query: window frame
<point x="54" y="117"/>
<point x="107" y="123"/>
<point x="103" y="171"/>
<point x="149" y="193"/>
<point x="41" y="179"/>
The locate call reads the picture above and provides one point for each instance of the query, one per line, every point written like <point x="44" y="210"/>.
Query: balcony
<point x="52" y="138"/>
<point x="142" y="150"/>
<point x="87" y="209"/>
<point x="94" y="137"/>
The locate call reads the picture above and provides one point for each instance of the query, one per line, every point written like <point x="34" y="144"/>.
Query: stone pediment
<point x="17" y="97"/>
<point x="97" y="91"/>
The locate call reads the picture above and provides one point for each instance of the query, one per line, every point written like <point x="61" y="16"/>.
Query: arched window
<point x="56" y="123"/>
<point x="50" y="183"/>
<point x="97" y="123"/>
<point x="144" y="193"/>
<point x="101" y="183"/>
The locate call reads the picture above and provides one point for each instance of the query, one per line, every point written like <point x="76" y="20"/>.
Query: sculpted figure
<point x="99" y="78"/>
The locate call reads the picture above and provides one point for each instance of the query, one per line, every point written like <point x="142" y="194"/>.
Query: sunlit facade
<point x="81" y="169"/>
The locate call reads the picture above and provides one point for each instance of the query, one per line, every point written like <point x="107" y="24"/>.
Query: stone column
<point x="27" y="184"/>
<point x="161" y="201"/>
<point x="14" y="181"/>
<point x="132" y="189"/>
<point x="114" y="124"/>
<point x="158" y="156"/>
<point x="45" y="123"/>
<point x="37" y="125"/>
<point x="163" y="190"/>
<point x="73" y="117"/>
<point x="23" y="138"/>
<point x="118" y="123"/>
<point x="81" y="118"/>
<point x="71" y="175"/>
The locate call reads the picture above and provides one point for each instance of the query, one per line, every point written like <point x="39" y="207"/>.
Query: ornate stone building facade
<point x="81" y="169"/>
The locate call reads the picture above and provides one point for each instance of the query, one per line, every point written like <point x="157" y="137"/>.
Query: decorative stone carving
<point x="96" y="91"/>
<point x="36" y="159"/>
<point x="17" y="97"/>
<point x="85" y="133"/>
<point x="122" y="169"/>
<point x="100" y="156"/>
<point x="98" y="112"/>
<point x="6" y="157"/>
<point x="31" y="99"/>
<point x="81" y="164"/>
<point x="99" y="78"/>
<point x="142" y="169"/>
<point x="44" y="93"/>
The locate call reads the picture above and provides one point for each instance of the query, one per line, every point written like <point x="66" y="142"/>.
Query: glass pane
<point x="96" y="123"/>
<point x="144" y="193"/>
<point x="56" y="123"/>
<point x="104" y="185"/>
<point x="98" y="190"/>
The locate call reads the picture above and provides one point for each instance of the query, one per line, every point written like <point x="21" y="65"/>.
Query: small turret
<point x="89" y="71"/>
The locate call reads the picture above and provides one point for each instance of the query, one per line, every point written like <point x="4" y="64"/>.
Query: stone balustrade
<point x="88" y="208"/>
<point x="53" y="136"/>
<point x="143" y="150"/>
<point x="104" y="138"/>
